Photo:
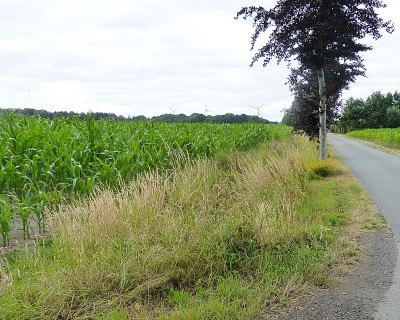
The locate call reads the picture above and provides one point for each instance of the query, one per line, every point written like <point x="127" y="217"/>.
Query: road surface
<point x="379" y="173"/>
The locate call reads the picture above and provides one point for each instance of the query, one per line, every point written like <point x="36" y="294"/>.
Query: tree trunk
<point x="322" y="114"/>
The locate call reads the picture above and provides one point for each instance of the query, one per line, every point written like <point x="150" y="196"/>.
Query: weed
<point x="332" y="219"/>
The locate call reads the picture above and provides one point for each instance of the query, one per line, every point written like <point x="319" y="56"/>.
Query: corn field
<point x="387" y="136"/>
<point x="45" y="162"/>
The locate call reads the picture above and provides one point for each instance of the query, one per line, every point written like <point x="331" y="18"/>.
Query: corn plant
<point x="5" y="221"/>
<point x="24" y="211"/>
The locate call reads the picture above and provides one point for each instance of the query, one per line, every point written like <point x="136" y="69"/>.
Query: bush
<point x="322" y="169"/>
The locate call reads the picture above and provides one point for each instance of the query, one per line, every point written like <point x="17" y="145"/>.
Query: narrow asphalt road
<point x="379" y="173"/>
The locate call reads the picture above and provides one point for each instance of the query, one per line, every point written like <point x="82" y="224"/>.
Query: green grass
<point x="223" y="238"/>
<point x="384" y="136"/>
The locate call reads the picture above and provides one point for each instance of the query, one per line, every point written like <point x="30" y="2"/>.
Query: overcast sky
<point x="146" y="57"/>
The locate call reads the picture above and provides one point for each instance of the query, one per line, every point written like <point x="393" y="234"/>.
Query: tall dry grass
<point x="205" y="220"/>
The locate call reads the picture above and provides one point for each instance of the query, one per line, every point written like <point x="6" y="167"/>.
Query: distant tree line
<point x="30" y="112"/>
<point x="169" y="118"/>
<point x="199" y="118"/>
<point x="377" y="111"/>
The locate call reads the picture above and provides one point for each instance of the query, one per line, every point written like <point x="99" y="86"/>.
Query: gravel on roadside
<point x="359" y="292"/>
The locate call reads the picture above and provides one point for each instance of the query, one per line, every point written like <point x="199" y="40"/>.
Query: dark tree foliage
<point x="304" y="85"/>
<point x="315" y="32"/>
<point x="319" y="35"/>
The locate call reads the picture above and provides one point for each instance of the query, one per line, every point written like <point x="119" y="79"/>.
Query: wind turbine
<point x="207" y="110"/>
<point x="173" y="110"/>
<point x="258" y="109"/>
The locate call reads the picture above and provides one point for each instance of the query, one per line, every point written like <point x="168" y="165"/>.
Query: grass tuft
<point x="323" y="169"/>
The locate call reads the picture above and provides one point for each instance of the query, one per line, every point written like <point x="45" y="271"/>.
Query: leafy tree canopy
<point x="304" y="85"/>
<point x="377" y="111"/>
<point x="315" y="32"/>
<point x="322" y="36"/>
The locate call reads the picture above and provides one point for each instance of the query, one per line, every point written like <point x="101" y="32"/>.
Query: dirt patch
<point x="358" y="294"/>
<point x="17" y="240"/>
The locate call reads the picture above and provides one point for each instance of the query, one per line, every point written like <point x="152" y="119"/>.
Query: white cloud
<point x="142" y="57"/>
